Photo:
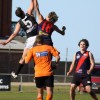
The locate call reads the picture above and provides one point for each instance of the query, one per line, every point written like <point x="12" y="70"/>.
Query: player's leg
<point x="80" y="88"/>
<point x="39" y="84"/>
<point x="75" y="82"/>
<point x="29" y="44"/>
<point x="72" y="91"/>
<point x="40" y="94"/>
<point x="49" y="83"/>
<point x="21" y="64"/>
<point x="89" y="90"/>
<point x="87" y="83"/>
<point x="49" y="93"/>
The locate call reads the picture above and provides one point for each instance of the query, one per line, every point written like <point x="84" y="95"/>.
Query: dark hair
<point x="85" y="41"/>
<point x="53" y="16"/>
<point x="19" y="12"/>
<point x="39" y="39"/>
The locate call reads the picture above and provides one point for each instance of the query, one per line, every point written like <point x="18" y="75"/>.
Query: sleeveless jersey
<point x="29" y="25"/>
<point x="82" y="62"/>
<point x="45" y="29"/>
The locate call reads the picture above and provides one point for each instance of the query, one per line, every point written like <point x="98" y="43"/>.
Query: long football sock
<point x="19" y="68"/>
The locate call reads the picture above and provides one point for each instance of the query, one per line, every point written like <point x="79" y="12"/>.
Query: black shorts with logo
<point x="84" y="79"/>
<point x="44" y="81"/>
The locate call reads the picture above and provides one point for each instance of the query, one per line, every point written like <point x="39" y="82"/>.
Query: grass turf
<point x="30" y="93"/>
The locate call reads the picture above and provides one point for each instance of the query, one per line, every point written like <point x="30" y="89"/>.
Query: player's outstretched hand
<point x="64" y="28"/>
<point x="3" y="42"/>
<point x="68" y="73"/>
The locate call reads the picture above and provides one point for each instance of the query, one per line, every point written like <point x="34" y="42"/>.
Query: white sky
<point x="81" y="18"/>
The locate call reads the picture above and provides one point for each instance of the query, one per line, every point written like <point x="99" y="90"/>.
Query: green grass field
<point x="30" y="93"/>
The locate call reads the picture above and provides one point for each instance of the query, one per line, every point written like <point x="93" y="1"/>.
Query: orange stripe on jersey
<point x="82" y="59"/>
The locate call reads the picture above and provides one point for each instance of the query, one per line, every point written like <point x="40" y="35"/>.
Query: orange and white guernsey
<point x="42" y="58"/>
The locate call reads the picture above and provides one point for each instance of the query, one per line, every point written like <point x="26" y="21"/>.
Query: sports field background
<point x="29" y="92"/>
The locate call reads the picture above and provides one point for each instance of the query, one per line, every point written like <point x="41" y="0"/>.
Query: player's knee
<point x="88" y="89"/>
<point x="72" y="88"/>
<point x="49" y="97"/>
<point x="21" y="60"/>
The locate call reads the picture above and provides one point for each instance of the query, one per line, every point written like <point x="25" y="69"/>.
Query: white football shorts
<point x="30" y="42"/>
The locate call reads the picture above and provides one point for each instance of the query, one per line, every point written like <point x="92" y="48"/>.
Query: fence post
<point x="20" y="85"/>
<point x="66" y="66"/>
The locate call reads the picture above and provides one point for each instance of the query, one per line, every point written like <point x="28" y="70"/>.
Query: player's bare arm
<point x="62" y="32"/>
<point x="57" y="59"/>
<point x="71" y="66"/>
<point x="39" y="15"/>
<point x="31" y="8"/>
<point x="92" y="63"/>
<point x="17" y="29"/>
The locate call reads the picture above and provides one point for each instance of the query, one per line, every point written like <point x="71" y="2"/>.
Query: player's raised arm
<point x="31" y="8"/>
<point x="39" y="15"/>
